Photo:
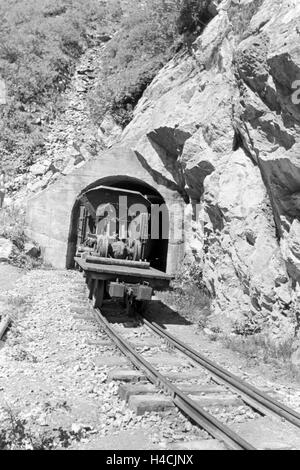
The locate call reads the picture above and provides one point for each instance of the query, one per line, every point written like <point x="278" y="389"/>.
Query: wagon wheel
<point x="129" y="303"/>
<point x="140" y="306"/>
<point x="99" y="293"/>
<point x="137" y="250"/>
<point x="91" y="286"/>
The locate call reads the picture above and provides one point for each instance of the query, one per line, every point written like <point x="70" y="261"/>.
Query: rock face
<point x="222" y="126"/>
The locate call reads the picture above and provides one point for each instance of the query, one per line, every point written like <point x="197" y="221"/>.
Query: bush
<point x="188" y="295"/>
<point x="12" y="224"/>
<point x="194" y="15"/>
<point x="241" y="16"/>
<point x="259" y="347"/>
<point x="18" y="433"/>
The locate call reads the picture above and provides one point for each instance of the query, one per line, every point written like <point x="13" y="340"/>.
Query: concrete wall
<point x="49" y="213"/>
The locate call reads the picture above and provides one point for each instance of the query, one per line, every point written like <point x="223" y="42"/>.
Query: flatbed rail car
<point x="115" y="249"/>
<point x="132" y="284"/>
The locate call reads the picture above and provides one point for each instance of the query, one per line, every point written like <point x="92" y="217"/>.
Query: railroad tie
<point x="125" y="391"/>
<point x="149" y="403"/>
<point x="126" y="375"/>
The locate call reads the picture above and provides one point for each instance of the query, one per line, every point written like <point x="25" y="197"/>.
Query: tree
<point x="194" y="16"/>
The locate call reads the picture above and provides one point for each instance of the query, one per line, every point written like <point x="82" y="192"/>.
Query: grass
<point x="12" y="223"/>
<point x="40" y="43"/>
<point x="188" y="295"/>
<point x="241" y="15"/>
<point x="259" y="350"/>
<point x="260" y="347"/>
<point x="16" y="433"/>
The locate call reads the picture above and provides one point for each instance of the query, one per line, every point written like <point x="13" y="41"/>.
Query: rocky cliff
<point x="221" y="124"/>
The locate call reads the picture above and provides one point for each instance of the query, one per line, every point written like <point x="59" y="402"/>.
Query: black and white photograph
<point x="149" y="228"/>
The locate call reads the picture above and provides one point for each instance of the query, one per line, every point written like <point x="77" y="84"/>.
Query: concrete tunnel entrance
<point x="52" y="215"/>
<point x="159" y="247"/>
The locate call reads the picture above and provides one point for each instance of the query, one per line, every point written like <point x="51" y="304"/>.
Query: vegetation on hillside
<point x="134" y="56"/>
<point x="149" y="36"/>
<point x="42" y="40"/>
<point x="241" y="16"/>
<point x="40" y="43"/>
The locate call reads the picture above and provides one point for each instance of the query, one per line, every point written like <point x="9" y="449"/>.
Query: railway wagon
<point x="115" y="247"/>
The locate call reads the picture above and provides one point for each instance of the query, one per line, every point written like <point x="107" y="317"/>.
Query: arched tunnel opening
<point x="136" y="191"/>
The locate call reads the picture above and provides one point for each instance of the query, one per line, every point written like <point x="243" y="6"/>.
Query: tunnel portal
<point x="53" y="214"/>
<point x="133" y="193"/>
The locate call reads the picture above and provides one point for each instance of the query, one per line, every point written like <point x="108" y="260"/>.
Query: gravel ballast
<point x="56" y="393"/>
<point x="50" y="383"/>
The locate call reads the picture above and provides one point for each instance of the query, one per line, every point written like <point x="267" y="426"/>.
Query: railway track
<point x="182" y="397"/>
<point x="4" y="325"/>
<point x="251" y="395"/>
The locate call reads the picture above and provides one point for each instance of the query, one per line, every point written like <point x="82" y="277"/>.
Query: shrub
<point x="18" y="433"/>
<point x="241" y="16"/>
<point x="259" y="347"/>
<point x="194" y="15"/>
<point x="189" y="296"/>
<point x="12" y="224"/>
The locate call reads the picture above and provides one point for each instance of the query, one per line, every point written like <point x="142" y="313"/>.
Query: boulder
<point x="39" y="169"/>
<point x="109" y="131"/>
<point x="36" y="186"/>
<point x="6" y="247"/>
<point x="295" y="359"/>
<point x="69" y="167"/>
<point x="32" y="250"/>
<point x="84" y="153"/>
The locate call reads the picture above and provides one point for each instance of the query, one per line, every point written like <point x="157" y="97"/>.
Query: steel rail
<point x="180" y="399"/>
<point x="4" y="325"/>
<point x="256" y="398"/>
